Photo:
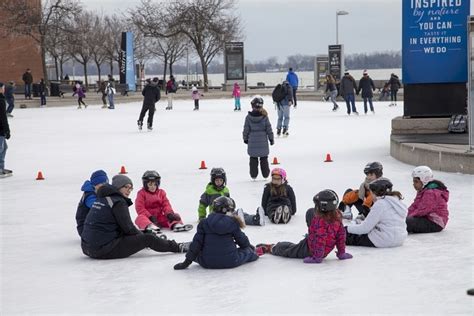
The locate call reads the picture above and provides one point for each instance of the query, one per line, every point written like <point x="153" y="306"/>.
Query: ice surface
<point x="43" y="270"/>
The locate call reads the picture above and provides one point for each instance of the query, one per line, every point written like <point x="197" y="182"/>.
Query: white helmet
<point x="424" y="173"/>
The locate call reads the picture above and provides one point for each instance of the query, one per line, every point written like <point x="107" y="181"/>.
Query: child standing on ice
<point x="153" y="207"/>
<point x="385" y="225"/>
<point x="195" y="94"/>
<point x="325" y="231"/>
<point x="361" y="198"/>
<point x="81" y="93"/>
<point x="214" y="245"/>
<point x="278" y="199"/>
<point x="236" y="95"/>
<point x="214" y="189"/>
<point x="429" y="212"/>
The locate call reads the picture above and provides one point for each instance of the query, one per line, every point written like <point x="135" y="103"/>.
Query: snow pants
<point x="358" y="240"/>
<point x="420" y="225"/>
<point x="162" y="221"/>
<point x="291" y="250"/>
<point x="151" y="113"/>
<point x="263" y="166"/>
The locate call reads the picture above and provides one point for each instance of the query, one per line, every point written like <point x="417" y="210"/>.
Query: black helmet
<point x="326" y="200"/>
<point x="374" y="167"/>
<point x="151" y="175"/>
<point x="381" y="186"/>
<point x="257" y="102"/>
<point x="223" y="204"/>
<point x="218" y="173"/>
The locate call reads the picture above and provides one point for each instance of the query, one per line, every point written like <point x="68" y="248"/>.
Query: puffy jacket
<point x="292" y="79"/>
<point x="152" y="204"/>
<point x="88" y="198"/>
<point x="394" y="83"/>
<point x="366" y="85"/>
<point x="257" y="132"/>
<point x="214" y="245"/>
<point x="323" y="236"/>
<point x="348" y="85"/>
<point x="385" y="224"/>
<point x="151" y="94"/>
<point x="208" y="197"/>
<point x="236" y="91"/>
<point x="9" y="91"/>
<point x="171" y="86"/>
<point x="270" y="202"/>
<point x="431" y="202"/>
<point x="108" y="220"/>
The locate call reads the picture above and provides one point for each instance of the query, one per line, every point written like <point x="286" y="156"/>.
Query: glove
<point x="272" y="142"/>
<point x="173" y="217"/>
<point x="153" y="219"/>
<point x="7" y="135"/>
<point x="183" y="265"/>
<point x="246" y="141"/>
<point x="344" y="256"/>
<point x="312" y="260"/>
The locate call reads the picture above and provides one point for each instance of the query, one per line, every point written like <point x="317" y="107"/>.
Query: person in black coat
<point x="42" y="92"/>
<point x="151" y="95"/>
<point x="108" y="231"/>
<point x="4" y="133"/>
<point x="214" y="245"/>
<point x="278" y="199"/>
<point x="366" y="85"/>
<point x="394" y="86"/>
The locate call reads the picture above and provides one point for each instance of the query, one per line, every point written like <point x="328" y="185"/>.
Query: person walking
<point x="28" y="80"/>
<point x="10" y="97"/>
<point x="366" y="85"/>
<point x="151" y="95"/>
<point x="4" y="134"/>
<point x="394" y="86"/>
<point x="292" y="79"/>
<point x="348" y="90"/>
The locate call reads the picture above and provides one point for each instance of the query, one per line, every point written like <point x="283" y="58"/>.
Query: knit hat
<point x="99" y="177"/>
<point x="119" y="181"/>
<point x="365" y="72"/>
<point x="194" y="88"/>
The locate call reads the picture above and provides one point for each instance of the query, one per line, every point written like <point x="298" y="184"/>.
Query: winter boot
<point x="286" y="216"/>
<point x="278" y="131"/>
<point x="182" y="227"/>
<point x="278" y="214"/>
<point x="140" y="125"/>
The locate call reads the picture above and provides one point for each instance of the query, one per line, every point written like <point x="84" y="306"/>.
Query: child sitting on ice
<point x="214" y="189"/>
<point x="385" y="225"/>
<point x="153" y="207"/>
<point x="429" y="211"/>
<point x="195" y="94"/>
<point x="361" y="198"/>
<point x="278" y="200"/>
<point x="214" y="245"/>
<point x="325" y="231"/>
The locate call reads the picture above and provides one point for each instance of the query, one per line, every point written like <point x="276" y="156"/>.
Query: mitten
<point x="344" y="256"/>
<point x="153" y="219"/>
<point x="272" y="142"/>
<point x="246" y="141"/>
<point x="173" y="217"/>
<point x="312" y="260"/>
<point x="183" y="265"/>
<point x="7" y="135"/>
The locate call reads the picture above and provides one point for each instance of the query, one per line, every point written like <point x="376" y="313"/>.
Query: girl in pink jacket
<point x="196" y="95"/>
<point x="153" y="207"/>
<point x="429" y="212"/>
<point x="236" y="95"/>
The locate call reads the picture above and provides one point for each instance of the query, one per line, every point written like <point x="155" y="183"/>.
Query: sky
<point x="281" y="28"/>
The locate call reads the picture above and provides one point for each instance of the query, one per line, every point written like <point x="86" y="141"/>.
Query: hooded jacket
<point x="257" y="132"/>
<point x="151" y="94"/>
<point x="88" y="198"/>
<point x="366" y="85"/>
<point x="214" y="245"/>
<point x="385" y="224"/>
<point x="211" y="193"/>
<point x="292" y="79"/>
<point x="394" y="82"/>
<point x="431" y="202"/>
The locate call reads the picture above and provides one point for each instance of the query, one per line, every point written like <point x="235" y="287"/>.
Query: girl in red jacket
<point x="153" y="207"/>
<point x="429" y="212"/>
<point x="325" y="231"/>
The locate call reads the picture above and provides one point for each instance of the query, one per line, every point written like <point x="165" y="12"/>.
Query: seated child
<point x="385" y="225"/>
<point x="361" y="199"/>
<point x="429" y="211"/>
<point x="214" y="245"/>
<point x="214" y="189"/>
<point x="278" y="200"/>
<point x="325" y="231"/>
<point x="153" y="207"/>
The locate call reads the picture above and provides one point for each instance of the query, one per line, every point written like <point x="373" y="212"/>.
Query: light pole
<point x="187" y="67"/>
<point x="338" y="13"/>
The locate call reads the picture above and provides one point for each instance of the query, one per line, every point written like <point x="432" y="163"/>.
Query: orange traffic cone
<point x="39" y="176"/>
<point x="275" y="161"/>
<point x="123" y="171"/>
<point x="203" y="165"/>
<point x="328" y="158"/>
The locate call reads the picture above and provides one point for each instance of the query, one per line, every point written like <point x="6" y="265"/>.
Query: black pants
<point x="130" y="245"/>
<point x="196" y="104"/>
<point x="79" y="101"/>
<point x="358" y="240"/>
<point x="263" y="166"/>
<point x="421" y="225"/>
<point x="310" y="214"/>
<point x="104" y="99"/>
<point x="151" y="113"/>
<point x="291" y="250"/>
<point x="393" y="95"/>
<point x="294" y="96"/>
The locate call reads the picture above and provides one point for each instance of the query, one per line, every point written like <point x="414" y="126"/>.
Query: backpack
<point x="279" y="93"/>
<point x="458" y="124"/>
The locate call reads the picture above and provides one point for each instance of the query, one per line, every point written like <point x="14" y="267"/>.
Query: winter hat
<point x="365" y="72"/>
<point x="194" y="88"/>
<point x="346" y="72"/>
<point x="99" y="177"/>
<point x="119" y="181"/>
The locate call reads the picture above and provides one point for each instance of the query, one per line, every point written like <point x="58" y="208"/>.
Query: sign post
<point x="127" y="63"/>
<point x="234" y="63"/>
<point x="321" y="69"/>
<point x="336" y="61"/>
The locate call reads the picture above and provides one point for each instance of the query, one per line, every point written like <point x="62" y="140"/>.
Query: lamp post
<point x="187" y="67"/>
<point x="338" y="13"/>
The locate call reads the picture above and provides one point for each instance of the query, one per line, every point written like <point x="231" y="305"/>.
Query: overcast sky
<point x="286" y="27"/>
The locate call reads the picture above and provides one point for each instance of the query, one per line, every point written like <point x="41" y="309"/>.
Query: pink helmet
<point x="280" y="172"/>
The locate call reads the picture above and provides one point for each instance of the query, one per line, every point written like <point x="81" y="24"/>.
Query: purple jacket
<point x="431" y="203"/>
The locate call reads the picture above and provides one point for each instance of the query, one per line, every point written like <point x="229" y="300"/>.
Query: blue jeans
<point x="43" y="98"/>
<point x="370" y="103"/>
<point x="11" y="104"/>
<point x="3" y="151"/>
<point x="283" y="116"/>
<point x="333" y="95"/>
<point x="111" y="101"/>
<point x="350" y="100"/>
<point x="237" y="103"/>
<point x="28" y="90"/>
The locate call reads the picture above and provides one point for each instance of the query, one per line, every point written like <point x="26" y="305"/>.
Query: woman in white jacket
<point x="385" y="225"/>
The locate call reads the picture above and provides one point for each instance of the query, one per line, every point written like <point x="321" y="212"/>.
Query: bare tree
<point x="97" y="41"/>
<point x="22" y="19"/>
<point x="114" y="26"/>
<point x="80" y="48"/>
<point x="170" y="50"/>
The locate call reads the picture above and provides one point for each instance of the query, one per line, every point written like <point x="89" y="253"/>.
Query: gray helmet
<point x="257" y="102"/>
<point x="381" y="186"/>
<point x="151" y="175"/>
<point x="223" y="204"/>
<point x="218" y="173"/>
<point x="326" y="200"/>
<point x="374" y="167"/>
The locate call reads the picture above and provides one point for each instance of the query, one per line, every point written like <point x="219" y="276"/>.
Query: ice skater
<point x="151" y="95"/>
<point x="196" y="95"/>
<point x="236" y="95"/>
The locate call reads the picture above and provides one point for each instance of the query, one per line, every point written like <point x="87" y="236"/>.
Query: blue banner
<point x="127" y="63"/>
<point x="434" y="41"/>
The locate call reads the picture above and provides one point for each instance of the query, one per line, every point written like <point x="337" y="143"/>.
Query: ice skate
<point x="278" y="132"/>
<point x="182" y="227"/>
<point x="140" y="125"/>
<point x="266" y="248"/>
<point x="261" y="216"/>
<point x="240" y="213"/>
<point x="286" y="214"/>
<point x="149" y="127"/>
<point x="9" y="115"/>
<point x="184" y="247"/>
<point x="285" y="132"/>
<point x="277" y="215"/>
